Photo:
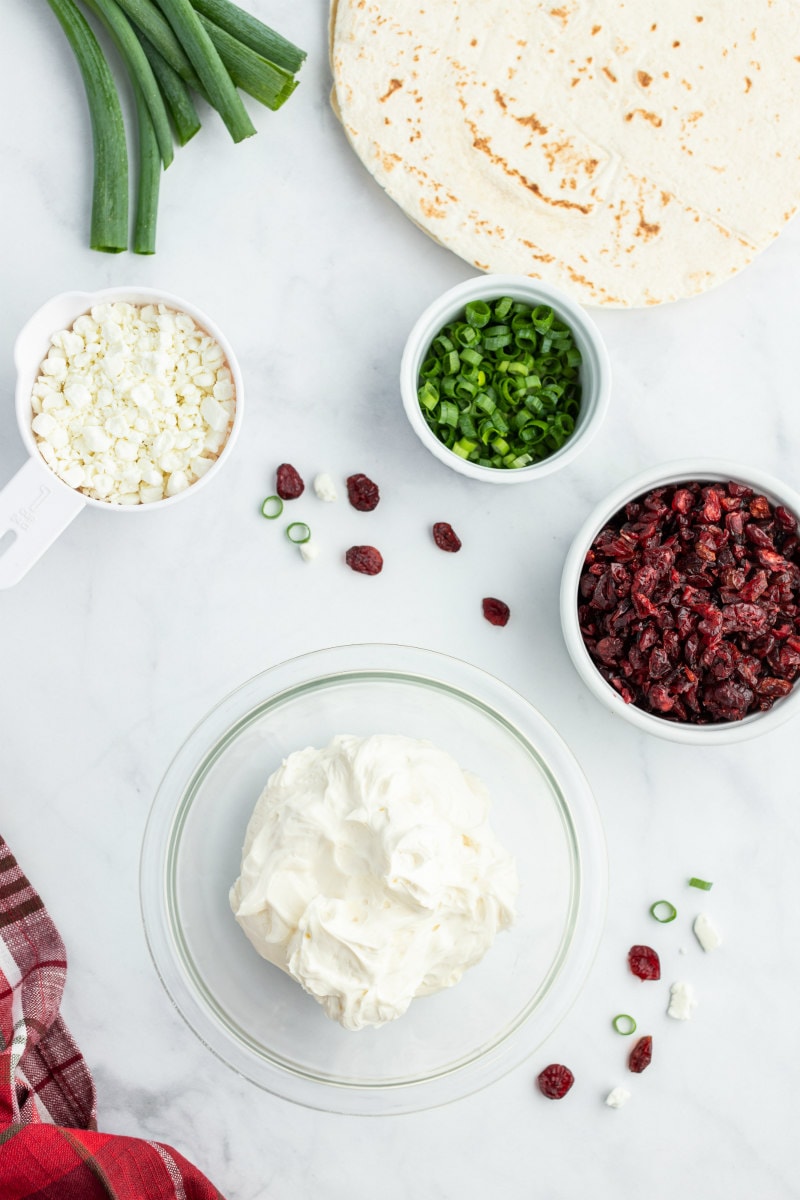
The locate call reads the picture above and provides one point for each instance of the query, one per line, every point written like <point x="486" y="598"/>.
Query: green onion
<point x="702" y="884"/>
<point x="147" y="17"/>
<point x="663" y="911"/>
<point x="272" y="507"/>
<point x="253" y="33"/>
<point x="624" y="1024"/>
<point x="141" y="73"/>
<point x="189" y="30"/>
<point x="144" y="232"/>
<point x="302" y="534"/>
<point x="504" y="375"/>
<point x="110" y="189"/>
<point x="176" y="94"/>
<point x="269" y="84"/>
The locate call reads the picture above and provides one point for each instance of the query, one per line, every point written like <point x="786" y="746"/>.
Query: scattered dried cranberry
<point x="289" y="484"/>
<point x="641" y="1055"/>
<point x="689" y="602"/>
<point x="446" y="537"/>
<point x="495" y="611"/>
<point x="644" y="962"/>
<point x="364" y="559"/>
<point x="555" y="1081"/>
<point x="362" y="493"/>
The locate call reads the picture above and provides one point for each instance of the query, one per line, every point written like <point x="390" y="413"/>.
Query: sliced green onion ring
<point x="298" y="532"/>
<point x="703" y="884"/>
<point x="272" y="507"/>
<point x="624" y="1024"/>
<point x="663" y="911"/>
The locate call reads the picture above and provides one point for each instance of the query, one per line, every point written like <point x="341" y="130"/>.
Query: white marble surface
<point x="124" y="635"/>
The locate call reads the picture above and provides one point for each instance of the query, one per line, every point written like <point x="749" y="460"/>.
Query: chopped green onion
<point x="272" y="507"/>
<point x="268" y="83"/>
<point x="177" y="96"/>
<point x="253" y="33"/>
<point x="144" y="233"/>
<point x="703" y="884"/>
<point x="110" y="189"/>
<point x="504" y="375"/>
<point x="302" y="534"/>
<point x="624" y="1024"/>
<point x="141" y="73"/>
<point x="663" y="911"/>
<point x="204" y="57"/>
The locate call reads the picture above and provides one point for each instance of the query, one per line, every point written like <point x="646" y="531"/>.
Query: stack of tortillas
<point x="631" y="152"/>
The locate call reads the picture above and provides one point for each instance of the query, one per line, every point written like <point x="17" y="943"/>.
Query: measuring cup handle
<point x="34" y="509"/>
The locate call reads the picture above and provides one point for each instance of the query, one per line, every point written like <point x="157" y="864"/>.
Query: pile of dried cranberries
<point x="689" y="602"/>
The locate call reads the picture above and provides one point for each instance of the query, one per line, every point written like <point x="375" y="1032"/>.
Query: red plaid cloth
<point x="49" y="1147"/>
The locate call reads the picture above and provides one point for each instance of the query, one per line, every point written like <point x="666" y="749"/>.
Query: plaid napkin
<point x="49" y="1147"/>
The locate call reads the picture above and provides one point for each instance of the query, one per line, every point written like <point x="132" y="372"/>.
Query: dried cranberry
<point x="555" y="1081"/>
<point x="446" y="537"/>
<point x="683" y="585"/>
<point x="644" y="962"/>
<point x="364" y="559"/>
<point x="289" y="485"/>
<point x="495" y="611"/>
<point x="641" y="1055"/>
<point x="362" y="493"/>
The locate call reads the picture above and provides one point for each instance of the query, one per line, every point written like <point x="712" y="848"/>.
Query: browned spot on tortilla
<point x="748" y="83"/>
<point x="474" y="42"/>
<point x="644" y="79"/>
<point x="561" y="14"/>
<point x="596" y="29"/>
<point x="694" y="116"/>
<point x="484" y="145"/>
<point x="390" y="161"/>
<point x="698" y="19"/>
<point x="609" y="74"/>
<point x="430" y="210"/>
<point x="645" y="229"/>
<point x="394" y="84"/>
<point x="647" y="116"/>
<point x="539" y="257"/>
<point x="386" y="121"/>
<point x="666" y="74"/>
<point x="665" y="198"/>
<point x="685" y="83"/>
<point x="675" y="45"/>
<point x="653" y="28"/>
<point x="481" y="266"/>
<point x="532" y="122"/>
<point x="574" y="82"/>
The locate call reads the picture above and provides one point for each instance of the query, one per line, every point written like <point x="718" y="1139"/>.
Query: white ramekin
<point x="701" y="469"/>
<point x="35" y="505"/>
<point x="595" y="370"/>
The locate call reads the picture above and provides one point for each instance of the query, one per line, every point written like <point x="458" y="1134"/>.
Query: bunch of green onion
<point x="170" y="48"/>
<point x="500" y="385"/>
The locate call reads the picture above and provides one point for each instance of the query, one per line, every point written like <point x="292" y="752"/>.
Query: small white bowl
<point x="35" y="504"/>
<point x="595" y="370"/>
<point x="702" y="469"/>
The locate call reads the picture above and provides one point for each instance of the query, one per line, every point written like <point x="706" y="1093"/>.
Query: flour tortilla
<point x="631" y="153"/>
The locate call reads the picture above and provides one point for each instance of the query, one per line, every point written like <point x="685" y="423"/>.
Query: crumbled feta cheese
<point x="681" y="1001"/>
<point x="706" y="932"/>
<point x="309" y="551"/>
<point x="133" y="403"/>
<point x="617" y="1097"/>
<point x="325" y="488"/>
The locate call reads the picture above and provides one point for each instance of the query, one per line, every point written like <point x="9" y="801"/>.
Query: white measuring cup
<point x="35" y="505"/>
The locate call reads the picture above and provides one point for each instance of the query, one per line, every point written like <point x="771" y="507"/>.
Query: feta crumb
<point x="325" y="488"/>
<point x="617" y="1097"/>
<point x="131" y="392"/>
<point x="309" y="551"/>
<point x="706" y="932"/>
<point x="682" y="1001"/>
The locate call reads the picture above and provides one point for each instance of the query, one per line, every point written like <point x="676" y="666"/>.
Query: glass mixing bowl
<point x="260" y="1021"/>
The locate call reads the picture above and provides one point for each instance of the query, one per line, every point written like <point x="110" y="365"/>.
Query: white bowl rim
<point x="675" y="471"/>
<point x="592" y="346"/>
